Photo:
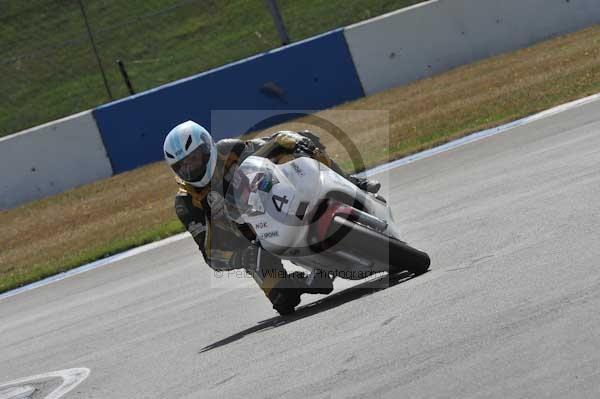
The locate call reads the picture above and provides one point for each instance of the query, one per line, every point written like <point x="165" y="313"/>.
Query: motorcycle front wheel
<point x="379" y="247"/>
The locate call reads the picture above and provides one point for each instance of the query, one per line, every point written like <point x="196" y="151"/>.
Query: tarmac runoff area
<point x="509" y="308"/>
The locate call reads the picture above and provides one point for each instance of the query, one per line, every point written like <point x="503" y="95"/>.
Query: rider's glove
<point x="305" y="146"/>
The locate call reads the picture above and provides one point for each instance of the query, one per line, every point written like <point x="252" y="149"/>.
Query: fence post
<point x="125" y="76"/>
<point x="278" y="20"/>
<point x="89" y="31"/>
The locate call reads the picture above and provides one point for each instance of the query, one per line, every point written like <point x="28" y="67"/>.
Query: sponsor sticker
<point x="261" y="225"/>
<point x="270" y="234"/>
<point x="297" y="169"/>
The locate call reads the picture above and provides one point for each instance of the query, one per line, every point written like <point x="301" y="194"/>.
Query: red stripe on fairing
<point x="324" y="222"/>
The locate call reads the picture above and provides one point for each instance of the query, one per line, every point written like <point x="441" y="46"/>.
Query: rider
<point x="203" y="172"/>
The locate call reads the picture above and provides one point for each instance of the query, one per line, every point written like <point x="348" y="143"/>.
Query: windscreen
<point x="249" y="187"/>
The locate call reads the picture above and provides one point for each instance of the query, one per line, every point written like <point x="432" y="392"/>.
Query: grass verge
<point x="70" y="261"/>
<point x="87" y="223"/>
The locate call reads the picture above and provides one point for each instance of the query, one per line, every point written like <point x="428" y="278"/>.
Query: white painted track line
<point x="94" y="265"/>
<point x="481" y="135"/>
<point x="71" y="378"/>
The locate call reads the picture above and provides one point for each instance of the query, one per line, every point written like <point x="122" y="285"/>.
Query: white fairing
<point x="278" y="201"/>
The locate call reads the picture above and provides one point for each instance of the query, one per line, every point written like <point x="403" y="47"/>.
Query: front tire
<point x="399" y="255"/>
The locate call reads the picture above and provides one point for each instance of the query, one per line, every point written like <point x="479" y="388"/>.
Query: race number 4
<point x="282" y="198"/>
<point x="279" y="202"/>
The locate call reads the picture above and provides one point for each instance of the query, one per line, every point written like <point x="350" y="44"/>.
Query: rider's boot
<point x="317" y="282"/>
<point x="283" y="289"/>
<point x="285" y="294"/>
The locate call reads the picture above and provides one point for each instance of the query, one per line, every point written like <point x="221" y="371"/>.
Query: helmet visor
<point x="192" y="168"/>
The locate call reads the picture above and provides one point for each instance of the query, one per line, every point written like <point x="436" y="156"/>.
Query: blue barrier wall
<point x="314" y="74"/>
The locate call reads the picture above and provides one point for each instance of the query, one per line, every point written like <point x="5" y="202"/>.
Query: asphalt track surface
<point x="510" y="308"/>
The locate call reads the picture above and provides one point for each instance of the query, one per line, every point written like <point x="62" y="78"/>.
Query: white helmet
<point x="190" y="151"/>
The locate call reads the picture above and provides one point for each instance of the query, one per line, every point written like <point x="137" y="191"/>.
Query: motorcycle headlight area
<point x="245" y="192"/>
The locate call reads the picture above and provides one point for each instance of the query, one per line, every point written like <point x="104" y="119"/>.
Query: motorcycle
<point x="306" y="213"/>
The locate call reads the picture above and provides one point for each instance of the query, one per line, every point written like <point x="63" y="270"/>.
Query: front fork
<point x="323" y="231"/>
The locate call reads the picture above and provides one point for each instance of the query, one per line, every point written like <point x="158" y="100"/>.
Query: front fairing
<point x="268" y="198"/>
<point x="279" y="201"/>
